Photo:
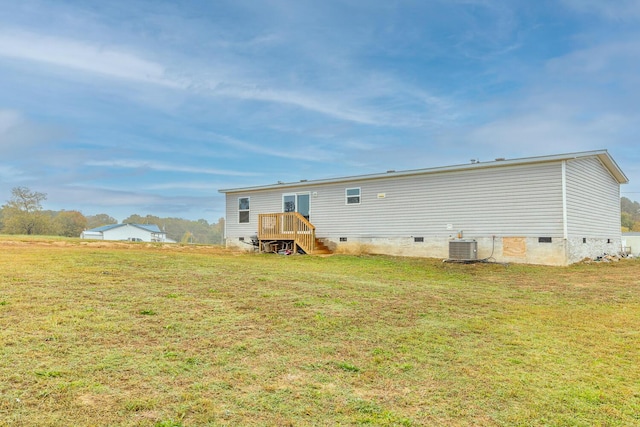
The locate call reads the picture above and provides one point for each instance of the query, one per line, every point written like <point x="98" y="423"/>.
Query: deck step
<point x="321" y="248"/>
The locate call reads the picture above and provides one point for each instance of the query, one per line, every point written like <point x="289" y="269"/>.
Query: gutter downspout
<point x="565" y="231"/>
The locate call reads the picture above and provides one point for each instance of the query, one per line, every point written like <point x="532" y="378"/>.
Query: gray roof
<point x="149" y="227"/>
<point x="602" y="155"/>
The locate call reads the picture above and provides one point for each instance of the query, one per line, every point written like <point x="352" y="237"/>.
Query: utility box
<point x="463" y="250"/>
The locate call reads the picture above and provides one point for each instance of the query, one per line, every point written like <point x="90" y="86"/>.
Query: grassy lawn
<point x="98" y="334"/>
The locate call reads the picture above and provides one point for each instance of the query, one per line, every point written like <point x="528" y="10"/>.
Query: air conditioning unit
<point x="463" y="250"/>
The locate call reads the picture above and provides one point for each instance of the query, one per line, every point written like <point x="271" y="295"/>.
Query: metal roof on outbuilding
<point x="153" y="228"/>
<point x="106" y="227"/>
<point x="149" y="227"/>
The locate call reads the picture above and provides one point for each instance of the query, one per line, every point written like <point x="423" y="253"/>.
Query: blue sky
<point x="150" y="107"/>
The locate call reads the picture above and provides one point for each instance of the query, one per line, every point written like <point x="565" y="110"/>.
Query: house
<point x="554" y="210"/>
<point x="631" y="243"/>
<point x="130" y="232"/>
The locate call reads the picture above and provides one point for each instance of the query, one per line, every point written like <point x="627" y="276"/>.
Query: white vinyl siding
<point x="127" y="232"/>
<point x="261" y="202"/>
<point x="523" y="200"/>
<point x="516" y="200"/>
<point x="593" y="200"/>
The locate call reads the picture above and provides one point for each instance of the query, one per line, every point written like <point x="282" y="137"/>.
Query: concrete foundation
<point x="581" y="248"/>
<point x="508" y="249"/>
<point x="520" y="250"/>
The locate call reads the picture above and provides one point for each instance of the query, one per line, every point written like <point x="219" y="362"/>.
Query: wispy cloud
<point x="197" y="185"/>
<point x="165" y="167"/>
<point x="122" y="203"/>
<point x="615" y="10"/>
<point x="605" y="62"/>
<point x="308" y="153"/>
<point x="10" y="174"/>
<point x="122" y="96"/>
<point x="19" y="135"/>
<point x="534" y="133"/>
<point x="319" y="104"/>
<point x="350" y="103"/>
<point x="82" y="56"/>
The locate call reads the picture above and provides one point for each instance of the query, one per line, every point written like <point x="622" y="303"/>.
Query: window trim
<point x="347" y="196"/>
<point x="248" y="211"/>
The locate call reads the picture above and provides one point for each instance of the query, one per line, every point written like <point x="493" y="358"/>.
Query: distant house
<point x="130" y="232"/>
<point x="631" y="242"/>
<point x="553" y="210"/>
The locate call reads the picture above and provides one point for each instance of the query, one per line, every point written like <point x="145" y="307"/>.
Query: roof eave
<point x="602" y="155"/>
<point x="613" y="167"/>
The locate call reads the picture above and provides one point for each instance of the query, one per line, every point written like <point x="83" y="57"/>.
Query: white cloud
<point x="122" y="203"/>
<point x="11" y="174"/>
<point x="19" y="135"/>
<point x="82" y="56"/>
<point x="107" y="197"/>
<point x="615" y="10"/>
<point x="183" y="186"/>
<point x="324" y="78"/>
<point x="393" y="84"/>
<point x="164" y="167"/>
<point x="8" y="120"/>
<point x="320" y="104"/>
<point x="350" y="104"/>
<point x="604" y="60"/>
<point x="307" y="153"/>
<point x="355" y="99"/>
<point x="539" y="133"/>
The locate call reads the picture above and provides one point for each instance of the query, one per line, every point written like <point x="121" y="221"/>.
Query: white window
<point x="353" y="196"/>
<point x="243" y="210"/>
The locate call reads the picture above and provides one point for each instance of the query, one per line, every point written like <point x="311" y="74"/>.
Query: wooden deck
<point x="288" y="231"/>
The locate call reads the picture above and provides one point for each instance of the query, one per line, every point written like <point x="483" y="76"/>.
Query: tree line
<point x="630" y="217"/>
<point x="23" y="214"/>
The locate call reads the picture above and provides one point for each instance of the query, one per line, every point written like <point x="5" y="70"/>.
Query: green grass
<point x="159" y="335"/>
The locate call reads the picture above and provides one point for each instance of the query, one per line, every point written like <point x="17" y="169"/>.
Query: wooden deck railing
<point x="287" y="226"/>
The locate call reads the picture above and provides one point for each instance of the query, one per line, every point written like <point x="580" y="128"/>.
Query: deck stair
<point x="321" y="248"/>
<point x="289" y="230"/>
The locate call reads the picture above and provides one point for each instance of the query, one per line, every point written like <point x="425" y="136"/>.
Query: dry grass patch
<point x="158" y="335"/>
